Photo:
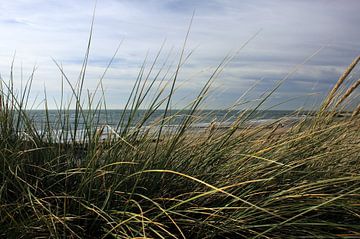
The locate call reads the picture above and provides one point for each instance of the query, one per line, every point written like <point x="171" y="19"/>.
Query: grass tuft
<point x="62" y="179"/>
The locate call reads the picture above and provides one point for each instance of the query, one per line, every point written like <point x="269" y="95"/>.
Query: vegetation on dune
<point x="237" y="182"/>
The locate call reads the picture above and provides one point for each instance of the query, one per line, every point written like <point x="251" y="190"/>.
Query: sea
<point x="120" y="119"/>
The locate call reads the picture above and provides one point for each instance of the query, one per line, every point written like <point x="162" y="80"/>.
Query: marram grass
<point x="238" y="182"/>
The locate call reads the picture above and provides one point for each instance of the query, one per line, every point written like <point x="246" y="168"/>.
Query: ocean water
<point x="65" y="126"/>
<point x="113" y="118"/>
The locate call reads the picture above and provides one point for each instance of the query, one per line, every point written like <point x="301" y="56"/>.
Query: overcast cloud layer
<point x="290" y="31"/>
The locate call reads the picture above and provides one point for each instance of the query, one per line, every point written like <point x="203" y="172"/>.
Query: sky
<point x="310" y="43"/>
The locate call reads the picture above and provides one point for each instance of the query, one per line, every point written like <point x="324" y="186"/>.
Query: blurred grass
<point x="238" y="182"/>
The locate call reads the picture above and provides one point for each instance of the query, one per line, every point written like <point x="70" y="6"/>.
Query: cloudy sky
<point x="289" y="31"/>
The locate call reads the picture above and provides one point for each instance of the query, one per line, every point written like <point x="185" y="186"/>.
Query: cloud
<point x="39" y="30"/>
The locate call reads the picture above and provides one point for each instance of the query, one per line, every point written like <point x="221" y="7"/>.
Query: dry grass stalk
<point x="357" y="111"/>
<point x="348" y="92"/>
<point x="340" y="81"/>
